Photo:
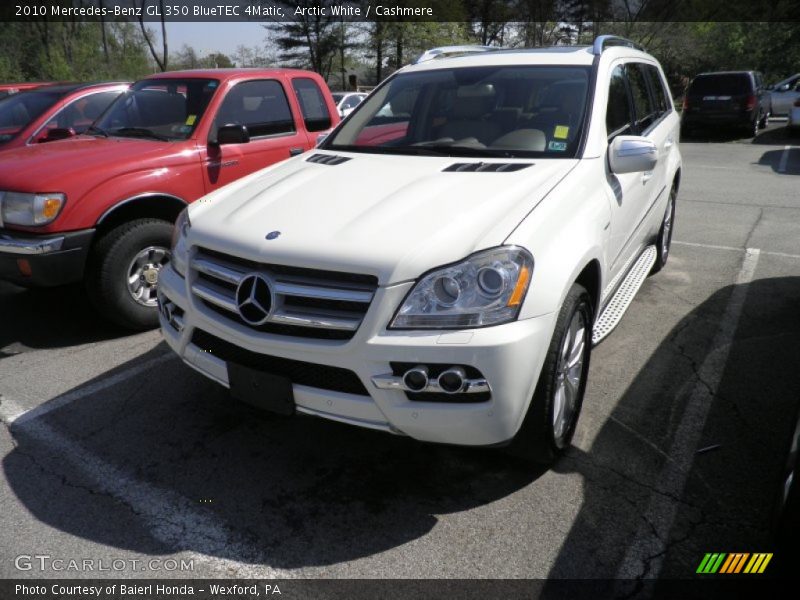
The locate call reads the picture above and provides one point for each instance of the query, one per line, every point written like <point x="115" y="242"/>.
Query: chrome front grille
<point x="304" y="302"/>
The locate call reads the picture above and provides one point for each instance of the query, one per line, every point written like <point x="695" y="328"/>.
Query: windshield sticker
<point x="561" y="132"/>
<point x="557" y="146"/>
<point x="192" y="118"/>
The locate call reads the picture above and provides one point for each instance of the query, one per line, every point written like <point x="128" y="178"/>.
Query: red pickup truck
<point x="100" y="207"/>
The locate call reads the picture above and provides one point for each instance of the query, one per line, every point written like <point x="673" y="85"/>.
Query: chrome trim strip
<point x="317" y="322"/>
<point x="321" y="293"/>
<point x="209" y="294"/>
<point x="30" y="246"/>
<point x="215" y="269"/>
<point x="395" y="382"/>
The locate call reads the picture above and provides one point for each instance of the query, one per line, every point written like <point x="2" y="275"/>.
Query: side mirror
<point x="57" y="133"/>
<point x="233" y="134"/>
<point x="632" y="154"/>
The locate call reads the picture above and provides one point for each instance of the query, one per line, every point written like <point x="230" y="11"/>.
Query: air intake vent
<point x="327" y="159"/>
<point x="488" y="167"/>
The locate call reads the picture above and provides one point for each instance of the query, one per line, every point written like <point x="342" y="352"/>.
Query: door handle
<point x="295" y="151"/>
<point x="668" y="144"/>
<point x="647" y="176"/>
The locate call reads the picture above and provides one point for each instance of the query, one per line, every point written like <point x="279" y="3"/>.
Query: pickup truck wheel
<point x="553" y="412"/>
<point x="123" y="271"/>
<point x="665" y="233"/>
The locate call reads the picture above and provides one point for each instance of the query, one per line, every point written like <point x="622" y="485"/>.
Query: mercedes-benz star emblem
<point x="254" y="299"/>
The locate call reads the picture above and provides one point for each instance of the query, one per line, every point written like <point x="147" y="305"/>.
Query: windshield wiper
<point x="92" y="129"/>
<point x="139" y="132"/>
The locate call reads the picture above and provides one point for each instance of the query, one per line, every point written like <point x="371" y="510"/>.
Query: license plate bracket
<point x="263" y="390"/>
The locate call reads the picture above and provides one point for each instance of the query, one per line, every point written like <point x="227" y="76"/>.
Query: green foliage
<point x="71" y="51"/>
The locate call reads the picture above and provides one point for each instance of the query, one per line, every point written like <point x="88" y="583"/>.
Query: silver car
<point x="784" y="94"/>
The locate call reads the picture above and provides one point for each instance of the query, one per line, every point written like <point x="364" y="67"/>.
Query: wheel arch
<point x="154" y="205"/>
<point x="590" y="278"/>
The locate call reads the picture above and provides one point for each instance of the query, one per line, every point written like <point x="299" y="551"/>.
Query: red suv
<point x="53" y="112"/>
<point x="101" y="206"/>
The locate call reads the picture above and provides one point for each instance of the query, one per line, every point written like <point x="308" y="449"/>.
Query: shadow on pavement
<point x="727" y="504"/>
<point x="49" y="318"/>
<point x="775" y="160"/>
<point x="170" y="462"/>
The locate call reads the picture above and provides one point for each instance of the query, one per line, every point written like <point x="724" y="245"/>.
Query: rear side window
<point x="728" y="84"/>
<point x="261" y="106"/>
<point x="646" y="112"/>
<point x="82" y="112"/>
<point x="661" y="94"/>
<point x="312" y="104"/>
<point x="618" y="112"/>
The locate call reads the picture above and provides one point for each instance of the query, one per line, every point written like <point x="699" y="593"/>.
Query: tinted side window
<point x="82" y="112"/>
<point x="618" y="112"/>
<point x="659" y="88"/>
<point x="642" y="102"/>
<point x="259" y="105"/>
<point x="312" y="104"/>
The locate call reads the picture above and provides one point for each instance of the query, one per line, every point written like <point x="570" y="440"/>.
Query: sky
<point x="213" y="37"/>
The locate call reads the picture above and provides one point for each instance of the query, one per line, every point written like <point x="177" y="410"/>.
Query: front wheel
<point x="553" y="411"/>
<point x="665" y="233"/>
<point x="123" y="272"/>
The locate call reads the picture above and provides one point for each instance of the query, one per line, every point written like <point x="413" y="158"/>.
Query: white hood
<point x="391" y="216"/>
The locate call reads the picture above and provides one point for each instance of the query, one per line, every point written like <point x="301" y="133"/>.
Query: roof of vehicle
<point x="222" y="74"/>
<point x="706" y="74"/>
<point x="552" y="55"/>
<point x="68" y="88"/>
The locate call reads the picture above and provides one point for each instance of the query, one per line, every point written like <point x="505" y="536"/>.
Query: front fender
<point x="565" y="233"/>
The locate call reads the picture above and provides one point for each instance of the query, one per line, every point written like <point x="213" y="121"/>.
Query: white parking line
<point x="649" y="545"/>
<point x="20" y="415"/>
<point x="784" y="159"/>
<point x="734" y="249"/>
<point x="169" y="517"/>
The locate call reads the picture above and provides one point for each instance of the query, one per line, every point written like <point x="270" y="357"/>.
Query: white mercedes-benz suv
<point x="441" y="265"/>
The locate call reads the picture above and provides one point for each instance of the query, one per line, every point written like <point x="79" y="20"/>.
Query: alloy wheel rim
<point x="143" y="274"/>
<point x="569" y="374"/>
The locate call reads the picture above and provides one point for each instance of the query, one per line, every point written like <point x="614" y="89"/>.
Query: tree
<point x="309" y="39"/>
<point x="163" y="60"/>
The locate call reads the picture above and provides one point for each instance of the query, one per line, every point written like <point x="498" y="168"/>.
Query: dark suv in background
<point x="735" y="99"/>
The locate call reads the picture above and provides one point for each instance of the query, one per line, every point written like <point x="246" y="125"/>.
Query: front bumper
<point x="43" y="260"/>
<point x="508" y="356"/>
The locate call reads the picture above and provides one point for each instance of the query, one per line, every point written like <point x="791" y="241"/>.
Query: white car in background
<point x="442" y="269"/>
<point x="783" y="96"/>
<point x="347" y="101"/>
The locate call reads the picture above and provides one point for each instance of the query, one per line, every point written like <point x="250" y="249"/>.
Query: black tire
<point x="664" y="242"/>
<point x="753" y="128"/>
<point x="536" y="440"/>
<point x="108" y="271"/>
<point x="762" y="124"/>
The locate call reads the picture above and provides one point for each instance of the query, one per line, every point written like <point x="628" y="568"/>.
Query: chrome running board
<point x="622" y="298"/>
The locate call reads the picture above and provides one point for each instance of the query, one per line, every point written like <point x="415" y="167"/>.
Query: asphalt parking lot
<point x="112" y="449"/>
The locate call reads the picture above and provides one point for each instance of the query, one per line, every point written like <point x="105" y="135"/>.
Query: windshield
<point x="509" y="111"/>
<point x="337" y="97"/>
<point x="161" y="109"/>
<point x="730" y="84"/>
<point x="19" y="110"/>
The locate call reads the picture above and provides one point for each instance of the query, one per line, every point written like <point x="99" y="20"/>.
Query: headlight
<point x="30" y="209"/>
<point x="485" y="289"/>
<point x="179" y="256"/>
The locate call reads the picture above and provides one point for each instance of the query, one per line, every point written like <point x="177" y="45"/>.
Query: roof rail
<point x="446" y="51"/>
<point x="602" y="42"/>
